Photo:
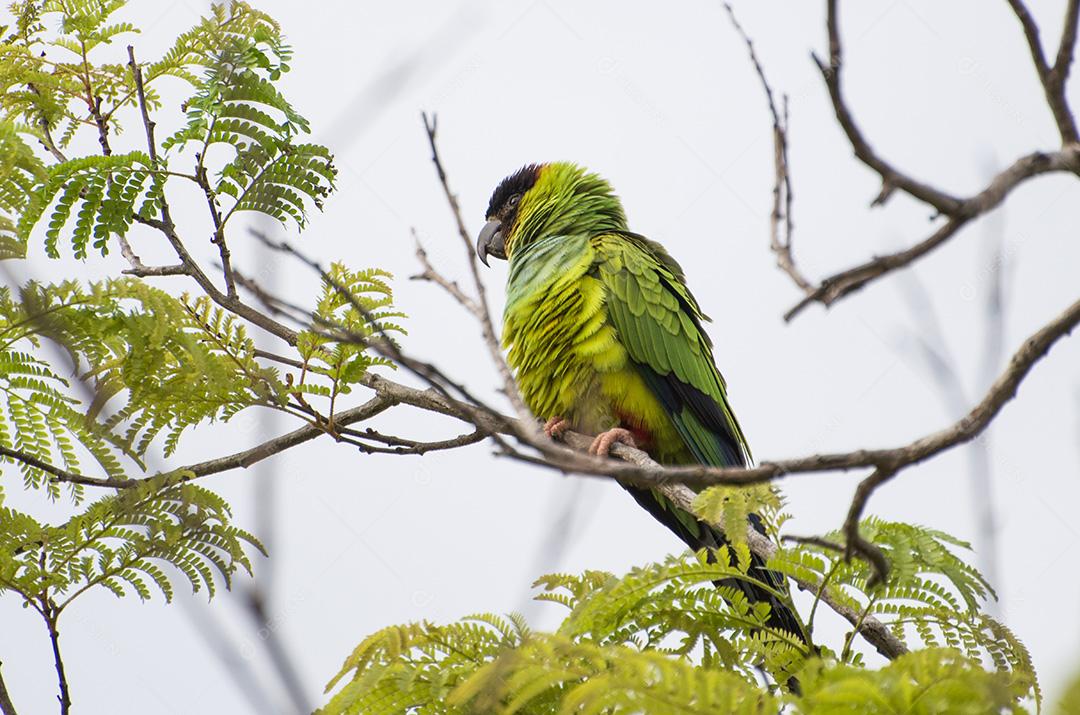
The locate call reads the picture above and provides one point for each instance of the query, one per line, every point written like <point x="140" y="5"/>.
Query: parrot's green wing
<point x="659" y="324"/>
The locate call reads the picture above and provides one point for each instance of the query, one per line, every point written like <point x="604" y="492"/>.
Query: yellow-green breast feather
<point x="602" y="331"/>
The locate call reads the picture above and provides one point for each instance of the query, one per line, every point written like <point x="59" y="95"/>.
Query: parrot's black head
<point x="559" y="198"/>
<point x="502" y="211"/>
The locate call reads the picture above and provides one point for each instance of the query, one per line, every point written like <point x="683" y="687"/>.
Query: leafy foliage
<point x="143" y="365"/>
<point x="122" y="542"/>
<point x="20" y="171"/>
<point x="233" y="58"/>
<point x="354" y="306"/>
<point x="101" y="192"/>
<point x="242" y="54"/>
<point x="925" y="682"/>
<point x="731" y="506"/>
<point x="38" y="415"/>
<point x="49" y="81"/>
<point x="931" y="597"/>
<point x="626" y="646"/>
<point x="156" y="364"/>
<point x="665" y="638"/>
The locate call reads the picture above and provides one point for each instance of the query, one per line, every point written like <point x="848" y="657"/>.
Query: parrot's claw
<point x="601" y="446"/>
<point x="555" y="427"/>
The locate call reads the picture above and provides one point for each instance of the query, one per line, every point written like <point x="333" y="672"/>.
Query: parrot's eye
<point x="513" y="200"/>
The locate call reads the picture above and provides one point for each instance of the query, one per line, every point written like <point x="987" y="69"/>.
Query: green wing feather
<point x="658" y="321"/>
<point x="659" y="324"/>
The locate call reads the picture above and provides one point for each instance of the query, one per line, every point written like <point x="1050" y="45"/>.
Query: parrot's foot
<point x="555" y="427"/>
<point x="601" y="446"/>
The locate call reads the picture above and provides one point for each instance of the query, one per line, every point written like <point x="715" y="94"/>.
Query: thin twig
<point x="403" y="446"/>
<point x="432" y="275"/>
<point x="141" y="270"/>
<point x="509" y="386"/>
<point x="780" y="244"/>
<point x="814" y="541"/>
<point x="218" y="238"/>
<point x="50" y="614"/>
<point x="244" y="458"/>
<point x="855" y="544"/>
<point x="148" y="124"/>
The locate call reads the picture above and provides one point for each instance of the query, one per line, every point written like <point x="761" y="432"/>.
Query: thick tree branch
<point x="645" y="474"/>
<point x="6" y="706"/>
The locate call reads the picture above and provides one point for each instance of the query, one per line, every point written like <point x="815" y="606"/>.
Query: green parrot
<point x="605" y="338"/>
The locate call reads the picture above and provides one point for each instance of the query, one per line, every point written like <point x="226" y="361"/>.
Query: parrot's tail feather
<point x="699" y="535"/>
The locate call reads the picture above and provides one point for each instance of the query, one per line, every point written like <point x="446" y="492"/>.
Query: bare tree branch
<point x="49" y="612"/>
<point x="1053" y="78"/>
<point x="140" y="91"/>
<point x="891" y="177"/>
<point x="55" y="472"/>
<point x="238" y="460"/>
<point x="837" y="286"/>
<point x="779" y="242"/>
<point x="958" y="211"/>
<point x="430" y="274"/>
<point x="140" y="269"/>
<point x="6" y="706"/>
<point x="218" y="238"/>
<point x="509" y="386"/>
<point x="402" y="445"/>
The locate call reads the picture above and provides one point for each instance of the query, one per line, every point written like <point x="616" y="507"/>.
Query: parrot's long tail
<point x="708" y="537"/>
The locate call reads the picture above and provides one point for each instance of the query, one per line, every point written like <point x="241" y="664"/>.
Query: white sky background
<point x="664" y="104"/>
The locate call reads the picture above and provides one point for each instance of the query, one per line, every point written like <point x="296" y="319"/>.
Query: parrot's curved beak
<point x="490" y="241"/>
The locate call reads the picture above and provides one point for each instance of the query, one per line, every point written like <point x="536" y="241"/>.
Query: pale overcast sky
<point x="664" y="103"/>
